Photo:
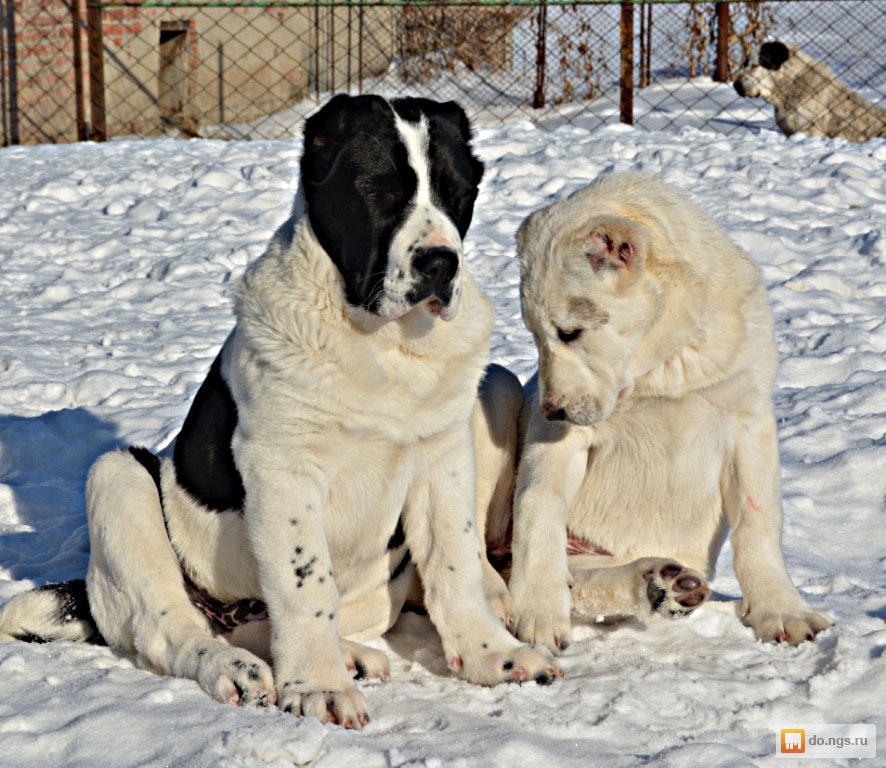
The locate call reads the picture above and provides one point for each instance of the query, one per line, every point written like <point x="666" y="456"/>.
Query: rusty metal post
<point x="721" y="70"/>
<point x="645" y="44"/>
<point x="95" y="45"/>
<point x="360" y="51"/>
<point x="538" y="98"/>
<point x="317" y="50"/>
<point x="79" y="85"/>
<point x="626" y="81"/>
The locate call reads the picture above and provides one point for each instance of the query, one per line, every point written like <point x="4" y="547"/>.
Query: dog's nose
<point x="437" y="265"/>
<point x="738" y="88"/>
<point x="552" y="413"/>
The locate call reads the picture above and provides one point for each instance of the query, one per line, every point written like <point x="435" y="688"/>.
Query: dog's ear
<point x="327" y="131"/>
<point x="617" y="244"/>
<point x="773" y="55"/>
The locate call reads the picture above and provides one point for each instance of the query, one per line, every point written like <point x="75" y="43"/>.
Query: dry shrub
<point x="752" y="23"/>
<point x="437" y="38"/>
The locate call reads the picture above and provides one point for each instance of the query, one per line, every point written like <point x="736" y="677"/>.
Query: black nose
<point x="552" y="413"/>
<point x="437" y="265"/>
<point x="738" y="88"/>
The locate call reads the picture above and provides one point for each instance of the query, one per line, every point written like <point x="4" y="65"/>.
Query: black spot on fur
<point x="204" y="461"/>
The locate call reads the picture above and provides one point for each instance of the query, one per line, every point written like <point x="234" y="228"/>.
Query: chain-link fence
<point x="73" y="69"/>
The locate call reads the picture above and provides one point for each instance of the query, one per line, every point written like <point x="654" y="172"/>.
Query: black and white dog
<point x="328" y="449"/>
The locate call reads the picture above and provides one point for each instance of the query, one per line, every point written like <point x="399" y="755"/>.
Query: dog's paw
<point x="543" y="617"/>
<point x="345" y="707"/>
<point x="673" y="590"/>
<point x="365" y="663"/>
<point x="793" y="625"/>
<point x="234" y="676"/>
<point x="518" y="664"/>
<point x="548" y="628"/>
<point x="497" y="595"/>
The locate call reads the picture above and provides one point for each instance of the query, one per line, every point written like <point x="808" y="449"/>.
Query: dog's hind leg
<point x="137" y="592"/>
<point x="639" y="588"/>
<point x="494" y="426"/>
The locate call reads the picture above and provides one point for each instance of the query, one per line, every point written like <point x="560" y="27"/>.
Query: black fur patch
<point x="204" y="461"/>
<point x="73" y="605"/>
<point x="773" y="55"/>
<point x="150" y="462"/>
<point x="398" y="537"/>
<point x="400" y="567"/>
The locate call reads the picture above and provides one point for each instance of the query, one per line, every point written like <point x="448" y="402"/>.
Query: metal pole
<point x="626" y="82"/>
<point x="79" y="88"/>
<point x="360" y="51"/>
<point x="96" y="72"/>
<point x="721" y="70"/>
<point x="538" y="98"/>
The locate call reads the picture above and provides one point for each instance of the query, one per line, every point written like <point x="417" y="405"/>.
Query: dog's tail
<point x="48" y="613"/>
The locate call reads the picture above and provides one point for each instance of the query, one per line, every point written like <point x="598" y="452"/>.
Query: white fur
<point x="670" y="436"/>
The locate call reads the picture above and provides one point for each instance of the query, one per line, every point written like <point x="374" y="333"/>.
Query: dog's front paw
<point x="497" y="594"/>
<point x="365" y="663"/>
<point x="792" y="625"/>
<point x="345" y="707"/>
<point x="233" y="675"/>
<point x="672" y="589"/>
<point x="543" y="616"/>
<point x="517" y="664"/>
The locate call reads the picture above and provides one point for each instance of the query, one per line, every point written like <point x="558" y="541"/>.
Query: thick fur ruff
<point x="648" y="429"/>
<point x="808" y="97"/>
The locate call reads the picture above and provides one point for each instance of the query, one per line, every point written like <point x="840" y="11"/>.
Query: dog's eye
<point x="568" y="336"/>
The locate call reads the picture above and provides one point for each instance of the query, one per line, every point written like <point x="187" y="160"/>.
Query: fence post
<point x="79" y="86"/>
<point x="96" y="71"/>
<point x="626" y="106"/>
<point x="538" y="98"/>
<point x="721" y="70"/>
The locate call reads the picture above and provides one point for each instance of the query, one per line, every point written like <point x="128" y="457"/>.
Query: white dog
<point x="649" y="427"/>
<point x="327" y="453"/>
<point x="808" y="97"/>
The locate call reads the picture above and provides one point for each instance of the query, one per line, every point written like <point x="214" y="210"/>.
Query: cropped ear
<point x="616" y="244"/>
<point x="773" y="55"/>
<point x="327" y="131"/>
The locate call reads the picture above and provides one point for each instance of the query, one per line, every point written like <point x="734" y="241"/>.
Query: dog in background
<point x="648" y="430"/>
<point x="808" y="97"/>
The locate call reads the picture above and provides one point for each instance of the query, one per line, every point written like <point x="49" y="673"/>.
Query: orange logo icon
<point x="793" y="741"/>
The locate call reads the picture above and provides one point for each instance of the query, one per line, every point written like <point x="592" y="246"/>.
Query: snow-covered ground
<point x="116" y="267"/>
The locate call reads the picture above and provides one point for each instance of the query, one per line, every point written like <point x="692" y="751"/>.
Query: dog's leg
<point x="494" y="425"/>
<point x="752" y="498"/>
<point x="137" y="595"/>
<point x="551" y="471"/>
<point x="445" y="545"/>
<point x="285" y="509"/>
<point x="639" y="588"/>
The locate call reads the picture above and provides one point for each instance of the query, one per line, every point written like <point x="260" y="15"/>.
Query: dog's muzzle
<point x="435" y="271"/>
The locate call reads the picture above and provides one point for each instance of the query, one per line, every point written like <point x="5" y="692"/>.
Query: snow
<point x="116" y="268"/>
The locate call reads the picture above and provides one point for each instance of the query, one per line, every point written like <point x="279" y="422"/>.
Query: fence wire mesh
<point x="108" y="69"/>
